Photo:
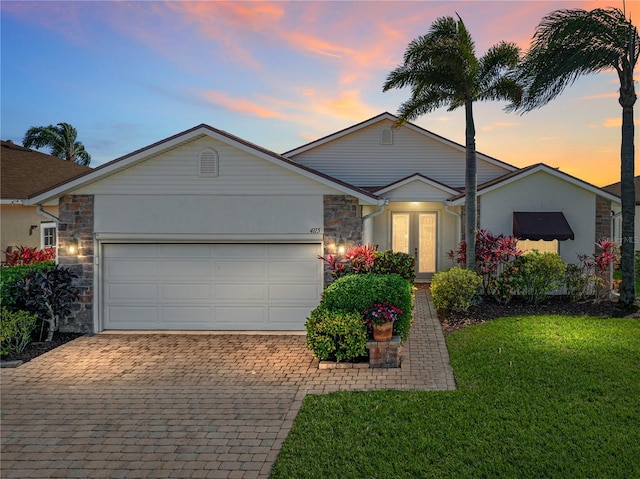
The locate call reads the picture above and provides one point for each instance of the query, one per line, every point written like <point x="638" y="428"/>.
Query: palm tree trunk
<point x="470" y="186"/>
<point x="627" y="191"/>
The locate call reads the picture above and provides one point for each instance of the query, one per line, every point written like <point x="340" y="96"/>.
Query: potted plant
<point x="380" y="318"/>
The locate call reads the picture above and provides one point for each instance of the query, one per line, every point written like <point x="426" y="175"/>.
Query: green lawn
<point x="538" y="397"/>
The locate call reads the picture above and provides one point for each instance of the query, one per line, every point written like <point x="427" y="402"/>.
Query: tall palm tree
<point x="61" y="139"/>
<point x="571" y="43"/>
<point x="442" y="69"/>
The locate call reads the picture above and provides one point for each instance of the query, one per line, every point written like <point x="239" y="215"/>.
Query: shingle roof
<point x="614" y="189"/>
<point x="24" y="172"/>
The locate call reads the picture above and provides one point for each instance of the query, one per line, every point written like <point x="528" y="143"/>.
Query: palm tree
<point x="442" y="69"/>
<point x="61" y="139"/>
<point x="571" y="43"/>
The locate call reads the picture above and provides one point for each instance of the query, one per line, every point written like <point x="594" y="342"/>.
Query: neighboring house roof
<point x="184" y="137"/>
<point x="393" y="118"/>
<point x="25" y="172"/>
<point x="524" y="172"/>
<point x="615" y="188"/>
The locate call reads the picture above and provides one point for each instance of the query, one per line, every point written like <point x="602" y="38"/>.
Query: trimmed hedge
<point x="357" y="292"/>
<point x="454" y="289"/>
<point x="393" y="262"/>
<point x="339" y="335"/>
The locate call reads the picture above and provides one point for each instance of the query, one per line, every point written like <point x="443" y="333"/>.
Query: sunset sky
<point x="278" y="74"/>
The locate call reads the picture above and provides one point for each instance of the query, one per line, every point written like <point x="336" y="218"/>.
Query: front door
<point x="415" y="233"/>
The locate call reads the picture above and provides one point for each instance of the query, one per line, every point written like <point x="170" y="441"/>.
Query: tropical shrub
<point x="358" y="260"/>
<point x="579" y="282"/>
<point x="335" y="334"/>
<point x="24" y="255"/>
<point x="48" y="293"/>
<point x="393" y="262"/>
<point x="493" y="252"/>
<point x="538" y="274"/>
<point x="10" y="275"/>
<point x="454" y="289"/>
<point x="358" y="292"/>
<point x="15" y="331"/>
<point x="592" y="272"/>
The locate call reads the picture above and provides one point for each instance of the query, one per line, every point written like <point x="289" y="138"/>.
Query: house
<point x="206" y="231"/>
<point x="23" y="173"/>
<point x="617" y="225"/>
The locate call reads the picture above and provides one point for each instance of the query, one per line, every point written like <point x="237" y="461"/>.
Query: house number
<point x="314" y="230"/>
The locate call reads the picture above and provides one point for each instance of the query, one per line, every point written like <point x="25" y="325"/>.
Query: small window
<point x="540" y="245"/>
<point x="386" y="136"/>
<point x="209" y="162"/>
<point x="48" y="235"/>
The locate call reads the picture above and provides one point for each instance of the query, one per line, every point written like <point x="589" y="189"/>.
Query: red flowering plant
<point x="358" y="259"/>
<point x="381" y="313"/>
<point x="24" y="255"/>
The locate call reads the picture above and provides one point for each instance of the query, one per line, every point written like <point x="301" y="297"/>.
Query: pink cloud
<point x="239" y="105"/>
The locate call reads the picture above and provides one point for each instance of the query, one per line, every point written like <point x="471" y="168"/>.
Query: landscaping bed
<point x="559" y="305"/>
<point x="33" y="350"/>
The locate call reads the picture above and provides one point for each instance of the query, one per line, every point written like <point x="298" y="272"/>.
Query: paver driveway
<point x="182" y="405"/>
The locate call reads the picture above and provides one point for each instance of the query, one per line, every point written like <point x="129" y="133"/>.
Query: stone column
<point x="342" y="219"/>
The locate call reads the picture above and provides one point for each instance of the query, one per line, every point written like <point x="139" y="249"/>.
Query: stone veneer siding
<point x="603" y="219"/>
<point x="342" y="218"/>
<point x="76" y="219"/>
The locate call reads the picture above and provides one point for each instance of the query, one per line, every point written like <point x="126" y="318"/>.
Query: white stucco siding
<point x="208" y="215"/>
<point x="543" y="192"/>
<point x="177" y="172"/>
<point x="360" y="158"/>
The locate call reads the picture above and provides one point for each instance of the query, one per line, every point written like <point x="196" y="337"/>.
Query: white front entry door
<point x="415" y="233"/>
<point x="209" y="286"/>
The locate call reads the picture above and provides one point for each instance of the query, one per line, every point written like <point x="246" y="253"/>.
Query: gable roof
<point x="26" y="172"/>
<point x="615" y="188"/>
<point x="394" y="119"/>
<point x="416" y="177"/>
<point x="200" y="131"/>
<point x="529" y="170"/>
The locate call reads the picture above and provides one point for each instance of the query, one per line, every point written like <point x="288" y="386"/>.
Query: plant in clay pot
<point x="380" y="318"/>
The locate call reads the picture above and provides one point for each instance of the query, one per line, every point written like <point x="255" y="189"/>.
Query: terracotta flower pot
<point x="383" y="332"/>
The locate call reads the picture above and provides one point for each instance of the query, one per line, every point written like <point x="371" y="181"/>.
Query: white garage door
<point x="210" y="286"/>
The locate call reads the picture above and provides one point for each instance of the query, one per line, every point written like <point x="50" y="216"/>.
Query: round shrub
<point x="15" y="331"/>
<point x="539" y="274"/>
<point x="356" y="293"/>
<point x="394" y="262"/>
<point x="454" y="289"/>
<point x="334" y="334"/>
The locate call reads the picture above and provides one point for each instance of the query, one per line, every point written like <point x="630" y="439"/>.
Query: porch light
<point x="72" y="245"/>
<point x="342" y="246"/>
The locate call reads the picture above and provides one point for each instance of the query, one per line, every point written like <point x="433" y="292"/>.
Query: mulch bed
<point x="554" y="305"/>
<point x="34" y="350"/>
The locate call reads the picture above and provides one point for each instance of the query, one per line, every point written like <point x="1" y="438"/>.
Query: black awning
<point x="544" y="225"/>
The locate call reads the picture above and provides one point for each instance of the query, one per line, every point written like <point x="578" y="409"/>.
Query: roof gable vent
<point x="209" y="162"/>
<point x="386" y="136"/>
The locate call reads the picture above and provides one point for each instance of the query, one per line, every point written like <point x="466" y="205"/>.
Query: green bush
<point x="358" y="292"/>
<point x="11" y="275"/>
<point x="539" y="274"/>
<point x="393" y="262"/>
<point x="15" y="331"/>
<point x="454" y="289"/>
<point x="334" y="334"/>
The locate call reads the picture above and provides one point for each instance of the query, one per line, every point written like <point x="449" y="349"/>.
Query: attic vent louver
<point x="386" y="136"/>
<point x="209" y="162"/>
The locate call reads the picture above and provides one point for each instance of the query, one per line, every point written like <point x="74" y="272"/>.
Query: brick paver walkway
<point x="182" y="405"/>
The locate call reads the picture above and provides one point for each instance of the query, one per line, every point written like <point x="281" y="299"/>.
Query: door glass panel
<point x="427" y="243"/>
<point x="400" y="232"/>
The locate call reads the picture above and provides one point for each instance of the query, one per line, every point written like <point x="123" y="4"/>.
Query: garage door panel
<point x="186" y="315"/>
<point x="237" y="318"/>
<point x="132" y="268"/>
<point x="186" y="291"/>
<point x="132" y="291"/>
<point x="241" y="270"/>
<point x="240" y="292"/>
<point x="209" y="287"/>
<point x="293" y="269"/>
<point x="132" y="317"/>
<point x="190" y="269"/>
<point x="293" y="291"/>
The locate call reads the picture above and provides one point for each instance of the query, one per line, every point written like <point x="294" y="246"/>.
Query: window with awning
<point x="541" y="225"/>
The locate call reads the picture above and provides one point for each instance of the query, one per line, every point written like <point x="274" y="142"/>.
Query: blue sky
<point x="279" y="74"/>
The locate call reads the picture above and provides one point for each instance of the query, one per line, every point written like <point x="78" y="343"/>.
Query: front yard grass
<point x="537" y="397"/>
